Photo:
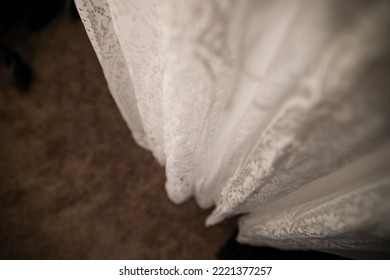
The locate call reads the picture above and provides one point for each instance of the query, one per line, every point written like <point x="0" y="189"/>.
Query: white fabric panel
<point x="250" y="104"/>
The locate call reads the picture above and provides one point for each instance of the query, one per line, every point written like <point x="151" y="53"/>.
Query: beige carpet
<point x="73" y="184"/>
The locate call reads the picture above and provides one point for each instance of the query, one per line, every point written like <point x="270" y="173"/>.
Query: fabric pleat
<point x="277" y="110"/>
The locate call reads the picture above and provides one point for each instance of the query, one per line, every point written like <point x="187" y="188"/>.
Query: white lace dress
<point x="278" y="110"/>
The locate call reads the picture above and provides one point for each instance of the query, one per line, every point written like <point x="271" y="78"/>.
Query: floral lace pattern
<point x="248" y="103"/>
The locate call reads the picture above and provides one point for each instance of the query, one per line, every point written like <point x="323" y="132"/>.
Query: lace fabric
<point x="252" y="103"/>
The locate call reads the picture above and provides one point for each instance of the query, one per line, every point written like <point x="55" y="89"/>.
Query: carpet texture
<point x="73" y="183"/>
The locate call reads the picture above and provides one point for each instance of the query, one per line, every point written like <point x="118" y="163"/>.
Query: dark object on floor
<point x="233" y="250"/>
<point x="21" y="73"/>
<point x="33" y="15"/>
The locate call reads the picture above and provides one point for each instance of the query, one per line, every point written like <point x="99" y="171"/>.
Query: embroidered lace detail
<point x="249" y="103"/>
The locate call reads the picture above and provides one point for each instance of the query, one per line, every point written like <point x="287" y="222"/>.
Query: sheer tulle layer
<point x="250" y="104"/>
